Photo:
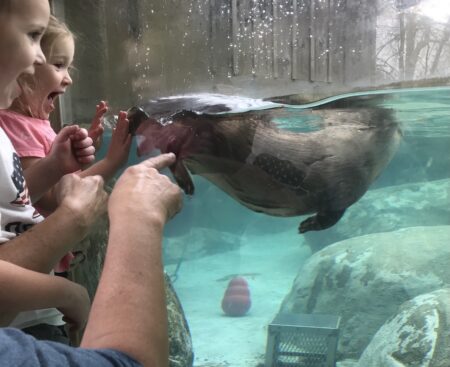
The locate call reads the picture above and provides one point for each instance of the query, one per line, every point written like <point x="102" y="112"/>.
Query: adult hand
<point x="144" y="191"/>
<point x="76" y="306"/>
<point x="96" y="130"/>
<point x="84" y="197"/>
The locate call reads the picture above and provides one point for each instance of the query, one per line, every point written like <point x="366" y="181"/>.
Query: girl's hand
<point x="96" y="129"/>
<point x="119" y="147"/>
<point x="82" y="147"/>
<point x="71" y="149"/>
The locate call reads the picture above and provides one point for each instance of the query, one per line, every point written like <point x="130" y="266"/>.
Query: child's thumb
<point x="66" y="132"/>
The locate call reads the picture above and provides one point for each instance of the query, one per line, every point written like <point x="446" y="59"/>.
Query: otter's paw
<point x="309" y="224"/>
<point x="182" y="177"/>
<point x="321" y="221"/>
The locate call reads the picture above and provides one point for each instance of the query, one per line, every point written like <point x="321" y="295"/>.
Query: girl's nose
<point x="67" y="79"/>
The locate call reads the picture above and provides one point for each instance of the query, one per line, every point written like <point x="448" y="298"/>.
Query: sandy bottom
<point x="269" y="263"/>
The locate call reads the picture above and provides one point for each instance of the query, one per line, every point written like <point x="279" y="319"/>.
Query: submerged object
<point x="236" y="300"/>
<point x="268" y="169"/>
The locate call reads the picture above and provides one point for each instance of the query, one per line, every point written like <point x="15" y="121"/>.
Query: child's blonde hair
<point x="56" y="30"/>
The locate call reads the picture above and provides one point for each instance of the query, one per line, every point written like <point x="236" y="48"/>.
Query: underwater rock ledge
<point x="416" y="336"/>
<point x="365" y="279"/>
<point x="388" y="209"/>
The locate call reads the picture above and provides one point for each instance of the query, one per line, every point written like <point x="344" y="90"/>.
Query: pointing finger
<point x="160" y="161"/>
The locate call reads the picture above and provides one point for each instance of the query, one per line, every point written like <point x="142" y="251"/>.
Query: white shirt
<point x="17" y="214"/>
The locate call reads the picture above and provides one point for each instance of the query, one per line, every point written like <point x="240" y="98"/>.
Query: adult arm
<point x="23" y="290"/>
<point x="82" y="201"/>
<point x="129" y="309"/>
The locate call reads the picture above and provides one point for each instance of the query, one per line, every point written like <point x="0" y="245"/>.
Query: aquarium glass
<point x="340" y="107"/>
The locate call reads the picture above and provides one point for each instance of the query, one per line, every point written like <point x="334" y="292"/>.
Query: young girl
<point x="22" y="24"/>
<point x="127" y="325"/>
<point x="27" y="125"/>
<point x="26" y="122"/>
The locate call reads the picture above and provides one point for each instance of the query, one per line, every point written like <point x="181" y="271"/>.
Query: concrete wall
<point x="131" y="50"/>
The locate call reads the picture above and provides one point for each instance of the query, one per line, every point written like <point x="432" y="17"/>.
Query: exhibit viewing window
<point x="313" y="151"/>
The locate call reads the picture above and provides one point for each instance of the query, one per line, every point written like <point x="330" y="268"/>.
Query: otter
<point x="273" y="170"/>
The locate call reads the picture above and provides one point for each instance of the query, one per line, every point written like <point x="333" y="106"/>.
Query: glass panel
<point x="293" y="107"/>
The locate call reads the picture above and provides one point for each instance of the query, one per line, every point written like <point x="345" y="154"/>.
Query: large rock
<point x="382" y="210"/>
<point x="94" y="247"/>
<point x="422" y="156"/>
<point x="364" y="279"/>
<point x="418" y="335"/>
<point x="180" y="344"/>
<point x="388" y="209"/>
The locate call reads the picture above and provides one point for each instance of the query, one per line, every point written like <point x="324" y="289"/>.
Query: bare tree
<point x="410" y="45"/>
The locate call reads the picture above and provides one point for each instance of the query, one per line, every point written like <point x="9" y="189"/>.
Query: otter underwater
<point x="236" y="143"/>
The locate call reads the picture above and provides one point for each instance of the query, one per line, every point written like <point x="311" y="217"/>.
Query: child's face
<point x="21" y="30"/>
<point x="51" y="79"/>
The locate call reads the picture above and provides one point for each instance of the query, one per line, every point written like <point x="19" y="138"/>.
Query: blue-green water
<point x="214" y="238"/>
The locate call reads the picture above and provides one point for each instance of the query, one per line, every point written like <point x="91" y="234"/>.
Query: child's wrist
<point x="54" y="166"/>
<point x="111" y="164"/>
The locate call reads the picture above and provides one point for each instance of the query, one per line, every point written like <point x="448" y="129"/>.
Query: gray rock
<point x="388" y="209"/>
<point x="422" y="156"/>
<point x="417" y="336"/>
<point x="364" y="279"/>
<point x="94" y="247"/>
<point x="347" y="363"/>
<point x="180" y="343"/>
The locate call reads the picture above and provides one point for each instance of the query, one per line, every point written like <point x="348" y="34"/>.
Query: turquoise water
<point x="214" y="238"/>
<point x="423" y="115"/>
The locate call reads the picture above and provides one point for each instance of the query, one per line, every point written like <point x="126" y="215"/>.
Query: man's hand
<point x="143" y="190"/>
<point x="84" y="197"/>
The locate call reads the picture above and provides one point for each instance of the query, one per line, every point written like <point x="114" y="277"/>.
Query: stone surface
<point x="379" y="210"/>
<point x="418" y="335"/>
<point x="93" y="246"/>
<point x="180" y="343"/>
<point x="347" y="363"/>
<point x="364" y="279"/>
<point x="388" y="209"/>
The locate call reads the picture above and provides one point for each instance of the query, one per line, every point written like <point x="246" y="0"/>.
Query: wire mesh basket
<point x="302" y="340"/>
